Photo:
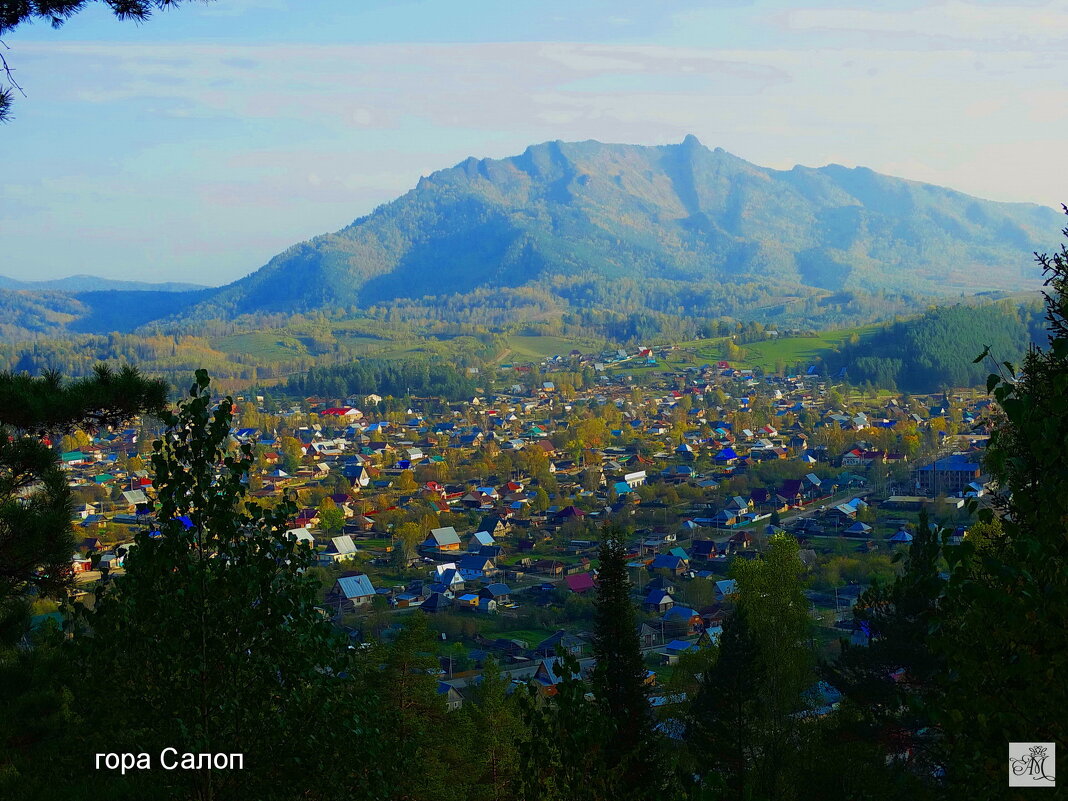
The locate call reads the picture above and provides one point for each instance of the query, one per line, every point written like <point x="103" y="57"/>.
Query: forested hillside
<point x="935" y="350"/>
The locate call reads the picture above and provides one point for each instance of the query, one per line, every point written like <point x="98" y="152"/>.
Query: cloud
<point x="1014" y="25"/>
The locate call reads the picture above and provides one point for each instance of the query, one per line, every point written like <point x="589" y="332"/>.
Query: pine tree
<point x="721" y="728"/>
<point x="417" y="737"/>
<point x="744" y="720"/>
<point x="619" y="678"/>
<point x="566" y="754"/>
<point x="890" y="681"/>
<point x="496" y="730"/>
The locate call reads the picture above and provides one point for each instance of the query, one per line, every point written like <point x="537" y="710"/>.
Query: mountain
<point x="91" y="283"/>
<point x="682" y="220"/>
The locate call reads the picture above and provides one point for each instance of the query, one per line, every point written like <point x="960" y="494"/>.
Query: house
<point x="812" y="485"/>
<point x="703" y="550"/>
<point x="90" y="544"/>
<point x="136" y="498"/>
<point x="858" y="529"/>
<point x="339" y="549"/>
<point x="469" y="600"/>
<point x="569" y="513"/>
<point x="549" y="673"/>
<point x="496" y="592"/>
<point x="726" y="589"/>
<point x="550" y="567"/>
<point x="741" y="541"/>
<point x="443" y="540"/>
<point x="451" y="696"/>
<point x="713" y="617"/>
<point x="853" y="458"/>
<point x="357" y="475"/>
<point x="681" y="621"/>
<point x="83" y="510"/>
<point x="494" y="525"/>
<point x="791" y="492"/>
<point x="480" y="540"/>
<point x="949" y="476"/>
<point x="901" y="537"/>
<point x="724" y="518"/>
<point x="435" y="602"/>
<point x="350" y="592"/>
<point x="658" y="601"/>
<point x="580" y="583"/>
<point x="473" y="567"/>
<point x="562" y="640"/>
<point x="662" y="582"/>
<point x="449" y="577"/>
<point x="676" y="648"/>
<point x="841" y="513"/>
<point x="359" y="524"/>
<point x="671" y="563"/>
<point x="109" y="560"/>
<point x="405" y="599"/>
<point x="726" y="456"/>
<point x="649" y="636"/>
<point x="302" y="535"/>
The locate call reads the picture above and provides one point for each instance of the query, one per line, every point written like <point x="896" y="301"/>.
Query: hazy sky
<point x="196" y="146"/>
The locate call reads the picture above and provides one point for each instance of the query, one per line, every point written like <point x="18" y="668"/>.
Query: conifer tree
<point x="566" y="754"/>
<point x="890" y="679"/>
<point x="619" y="677"/>
<point x="417" y="736"/>
<point x="496" y="730"/>
<point x="744" y="722"/>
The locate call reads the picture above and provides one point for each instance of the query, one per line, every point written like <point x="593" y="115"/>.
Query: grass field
<point x="762" y="355"/>
<point x="265" y="345"/>
<point x="791" y="350"/>
<point x="539" y="347"/>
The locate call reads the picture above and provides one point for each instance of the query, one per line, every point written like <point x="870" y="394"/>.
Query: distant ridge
<point x="91" y="283"/>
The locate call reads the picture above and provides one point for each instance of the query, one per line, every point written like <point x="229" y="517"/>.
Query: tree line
<point x="399" y="378"/>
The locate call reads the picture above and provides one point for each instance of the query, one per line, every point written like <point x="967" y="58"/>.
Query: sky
<point x="197" y="145"/>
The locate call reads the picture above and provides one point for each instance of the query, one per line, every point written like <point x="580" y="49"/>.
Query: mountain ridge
<point x="600" y="229"/>
<point x="676" y="213"/>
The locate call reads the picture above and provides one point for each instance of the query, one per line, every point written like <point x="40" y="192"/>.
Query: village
<point x="485" y="514"/>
